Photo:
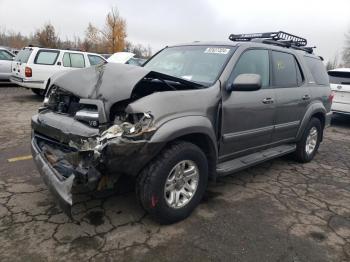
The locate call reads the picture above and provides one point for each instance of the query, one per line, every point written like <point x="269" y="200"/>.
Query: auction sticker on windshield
<point x="217" y="50"/>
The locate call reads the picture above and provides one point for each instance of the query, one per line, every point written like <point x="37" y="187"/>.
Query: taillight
<point x="28" y="72"/>
<point x="331" y="96"/>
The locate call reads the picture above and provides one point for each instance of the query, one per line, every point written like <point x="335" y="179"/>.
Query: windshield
<point x="23" y="55"/>
<point x="202" y="64"/>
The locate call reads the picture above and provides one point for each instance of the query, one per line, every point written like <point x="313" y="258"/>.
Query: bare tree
<point x="346" y="51"/>
<point x="332" y="63"/>
<point x="114" y="32"/>
<point x="46" y="36"/>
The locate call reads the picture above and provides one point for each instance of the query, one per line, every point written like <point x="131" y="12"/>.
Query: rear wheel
<point x="38" y="92"/>
<point x="173" y="184"/>
<point x="308" y="145"/>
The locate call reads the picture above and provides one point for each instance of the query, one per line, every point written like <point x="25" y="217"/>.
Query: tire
<point x="38" y="92"/>
<point x="303" y="154"/>
<point x="150" y="185"/>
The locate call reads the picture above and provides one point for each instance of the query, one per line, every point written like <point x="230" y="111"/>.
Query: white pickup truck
<point x="33" y="66"/>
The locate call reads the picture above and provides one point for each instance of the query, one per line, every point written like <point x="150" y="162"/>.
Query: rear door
<point x="6" y="59"/>
<point x="292" y="95"/>
<point x="340" y="84"/>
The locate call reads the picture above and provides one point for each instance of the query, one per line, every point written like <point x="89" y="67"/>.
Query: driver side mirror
<point x="245" y="82"/>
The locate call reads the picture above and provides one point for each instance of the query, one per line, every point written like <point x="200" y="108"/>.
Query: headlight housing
<point x="141" y="127"/>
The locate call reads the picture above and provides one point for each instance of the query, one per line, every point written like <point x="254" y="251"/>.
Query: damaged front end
<point x="86" y="135"/>
<point x="69" y="162"/>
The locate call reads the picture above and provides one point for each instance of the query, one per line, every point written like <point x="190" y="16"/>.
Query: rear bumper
<point x="27" y="83"/>
<point x="342" y="108"/>
<point x="59" y="186"/>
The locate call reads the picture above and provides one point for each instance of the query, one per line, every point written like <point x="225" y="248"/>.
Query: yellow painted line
<point x="20" y="158"/>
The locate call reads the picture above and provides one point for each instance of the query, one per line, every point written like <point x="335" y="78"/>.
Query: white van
<point x="33" y="66"/>
<point x="340" y="83"/>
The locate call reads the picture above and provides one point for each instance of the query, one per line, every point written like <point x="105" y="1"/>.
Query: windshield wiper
<point x="163" y="77"/>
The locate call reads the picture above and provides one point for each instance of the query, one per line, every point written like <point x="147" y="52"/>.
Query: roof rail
<point x="279" y="38"/>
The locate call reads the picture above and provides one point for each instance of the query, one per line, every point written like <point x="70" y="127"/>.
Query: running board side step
<point x="243" y="162"/>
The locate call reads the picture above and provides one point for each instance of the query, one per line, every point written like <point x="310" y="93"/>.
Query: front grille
<point x="43" y="139"/>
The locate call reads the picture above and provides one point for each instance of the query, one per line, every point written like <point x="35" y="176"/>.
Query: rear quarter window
<point x="46" y="57"/>
<point x="318" y="70"/>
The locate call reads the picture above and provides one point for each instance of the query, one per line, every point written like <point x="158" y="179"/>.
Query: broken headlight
<point x="137" y="127"/>
<point x="142" y="123"/>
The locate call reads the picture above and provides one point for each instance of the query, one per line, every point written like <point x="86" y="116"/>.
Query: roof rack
<point x="279" y="38"/>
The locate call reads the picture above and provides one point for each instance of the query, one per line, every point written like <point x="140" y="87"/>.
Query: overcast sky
<point x="165" y="22"/>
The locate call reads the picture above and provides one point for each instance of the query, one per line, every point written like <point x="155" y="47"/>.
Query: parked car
<point x="6" y="58"/>
<point x="125" y="58"/>
<point x="340" y="84"/>
<point x="33" y="66"/>
<point x="191" y="113"/>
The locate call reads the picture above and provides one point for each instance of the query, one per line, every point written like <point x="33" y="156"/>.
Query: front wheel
<point x="173" y="184"/>
<point x="308" y="145"/>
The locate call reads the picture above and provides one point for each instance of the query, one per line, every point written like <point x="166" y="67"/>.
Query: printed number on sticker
<point x="217" y="50"/>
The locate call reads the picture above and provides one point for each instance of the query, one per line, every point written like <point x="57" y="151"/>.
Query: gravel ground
<point x="277" y="211"/>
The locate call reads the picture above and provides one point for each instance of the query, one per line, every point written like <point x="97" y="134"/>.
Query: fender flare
<point x="187" y="125"/>
<point x="313" y="109"/>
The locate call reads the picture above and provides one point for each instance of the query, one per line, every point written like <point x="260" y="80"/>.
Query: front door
<point x="248" y="116"/>
<point x="6" y="59"/>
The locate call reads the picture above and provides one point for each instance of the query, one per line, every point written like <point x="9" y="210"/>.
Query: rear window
<point x="340" y="78"/>
<point x="23" y="55"/>
<point x="318" y="70"/>
<point x="46" y="57"/>
<point x="94" y="59"/>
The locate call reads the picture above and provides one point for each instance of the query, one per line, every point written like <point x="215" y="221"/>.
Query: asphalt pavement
<point x="277" y="211"/>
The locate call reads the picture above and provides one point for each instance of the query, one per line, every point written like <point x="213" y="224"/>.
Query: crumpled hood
<point x="108" y="82"/>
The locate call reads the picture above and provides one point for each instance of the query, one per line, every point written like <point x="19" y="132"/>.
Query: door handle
<point x="306" y="97"/>
<point x="268" y="100"/>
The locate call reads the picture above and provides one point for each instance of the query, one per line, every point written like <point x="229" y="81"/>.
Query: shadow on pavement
<point x="340" y="120"/>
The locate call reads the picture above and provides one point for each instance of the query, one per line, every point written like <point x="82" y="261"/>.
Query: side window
<point x="73" y="60"/>
<point x="253" y="62"/>
<point x="286" y="71"/>
<point x="4" y="55"/>
<point x="77" y="60"/>
<point x="94" y="59"/>
<point x="66" y="60"/>
<point x="46" y="57"/>
<point x="318" y="70"/>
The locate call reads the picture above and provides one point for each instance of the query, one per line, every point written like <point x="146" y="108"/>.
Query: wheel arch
<point x="194" y="129"/>
<point x="316" y="110"/>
